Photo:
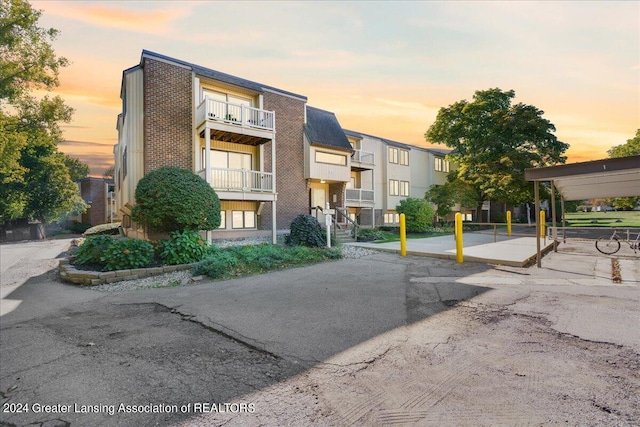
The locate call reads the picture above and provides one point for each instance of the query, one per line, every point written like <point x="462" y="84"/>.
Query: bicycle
<point x="611" y="245"/>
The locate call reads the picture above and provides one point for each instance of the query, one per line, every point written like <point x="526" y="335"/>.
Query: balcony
<point x="359" y="195"/>
<point x="362" y="160"/>
<point x="234" y="122"/>
<point x="241" y="184"/>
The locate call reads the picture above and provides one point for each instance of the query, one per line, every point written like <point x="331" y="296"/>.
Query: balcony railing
<point x="240" y="180"/>
<point x="359" y="195"/>
<point x="362" y="157"/>
<point x="236" y="114"/>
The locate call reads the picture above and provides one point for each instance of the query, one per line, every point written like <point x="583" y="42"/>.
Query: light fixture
<point x="322" y="181"/>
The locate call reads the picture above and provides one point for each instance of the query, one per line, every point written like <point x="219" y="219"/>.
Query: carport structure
<point x="617" y="177"/>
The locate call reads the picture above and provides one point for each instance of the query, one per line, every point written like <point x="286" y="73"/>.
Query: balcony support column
<point x="207" y="155"/>
<point x="274" y="222"/>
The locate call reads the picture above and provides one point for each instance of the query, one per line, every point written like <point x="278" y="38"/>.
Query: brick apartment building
<point x="268" y="155"/>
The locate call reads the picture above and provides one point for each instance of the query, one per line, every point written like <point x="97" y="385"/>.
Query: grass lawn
<point x="603" y="219"/>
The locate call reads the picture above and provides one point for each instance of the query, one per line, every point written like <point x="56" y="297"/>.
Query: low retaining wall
<point x="69" y="273"/>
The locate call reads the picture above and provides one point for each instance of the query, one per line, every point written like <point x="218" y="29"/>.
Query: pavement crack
<point x="208" y="327"/>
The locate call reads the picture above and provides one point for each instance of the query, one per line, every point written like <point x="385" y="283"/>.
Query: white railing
<point x="240" y="180"/>
<point x="362" y="156"/>
<point x="211" y="109"/>
<point x="359" y="195"/>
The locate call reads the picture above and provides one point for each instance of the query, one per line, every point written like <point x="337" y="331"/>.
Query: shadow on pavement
<point x="161" y="351"/>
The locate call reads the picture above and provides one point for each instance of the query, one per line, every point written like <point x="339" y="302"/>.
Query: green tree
<point x="77" y="169"/>
<point x="454" y="191"/>
<point x="631" y="148"/>
<point x="27" y="58"/>
<point x="493" y="143"/>
<point x="174" y="199"/>
<point x="38" y="181"/>
<point x="418" y="214"/>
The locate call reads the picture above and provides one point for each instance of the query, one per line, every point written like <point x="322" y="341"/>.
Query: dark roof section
<point x="439" y="151"/>
<point x="217" y="75"/>
<point x="323" y="128"/>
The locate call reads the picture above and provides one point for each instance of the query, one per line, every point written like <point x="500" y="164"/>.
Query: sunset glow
<point x="384" y="68"/>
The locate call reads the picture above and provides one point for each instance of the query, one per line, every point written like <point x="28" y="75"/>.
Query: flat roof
<point x="616" y="177"/>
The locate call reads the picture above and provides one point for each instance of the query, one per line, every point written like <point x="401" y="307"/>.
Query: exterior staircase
<point x="343" y="235"/>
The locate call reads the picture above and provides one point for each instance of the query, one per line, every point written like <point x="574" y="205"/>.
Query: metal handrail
<point x="346" y="216"/>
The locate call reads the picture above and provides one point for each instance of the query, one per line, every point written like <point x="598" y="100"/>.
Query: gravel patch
<point x="354" y="252"/>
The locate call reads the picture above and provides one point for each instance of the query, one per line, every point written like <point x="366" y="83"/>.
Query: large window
<point x="404" y="188"/>
<point x="228" y="107"/>
<point x="441" y="165"/>
<point x="227" y="168"/>
<point x="223" y="220"/>
<point x="404" y="157"/>
<point x="334" y="159"/>
<point x="243" y="219"/>
<point x="393" y="155"/>
<point x="394" y="187"/>
<point x="391" y="218"/>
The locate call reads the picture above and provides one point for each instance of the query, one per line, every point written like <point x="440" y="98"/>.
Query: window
<point x="404" y="157"/>
<point x="404" y="188"/>
<point x="394" y="187"/>
<point x="124" y="163"/>
<point x="391" y="218"/>
<point x="441" y="165"/>
<point x="223" y="220"/>
<point x="333" y="159"/>
<point x="393" y="155"/>
<point x="243" y="219"/>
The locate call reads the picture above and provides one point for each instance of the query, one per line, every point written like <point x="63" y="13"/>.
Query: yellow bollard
<point x="508" y="223"/>
<point x="458" y="231"/>
<point x="403" y="235"/>
<point x="542" y="224"/>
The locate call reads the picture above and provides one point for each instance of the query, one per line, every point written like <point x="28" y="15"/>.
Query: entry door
<point x="318" y="198"/>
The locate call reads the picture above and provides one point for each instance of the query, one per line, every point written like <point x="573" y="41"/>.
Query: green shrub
<point x="183" y="248"/>
<point x="369" y="234"/>
<point x="246" y="260"/>
<point x="305" y="231"/>
<point x="78" y="228"/>
<point x="128" y="253"/>
<point x="418" y="214"/>
<point x="174" y="199"/>
<point x="93" y="250"/>
<point x="223" y="264"/>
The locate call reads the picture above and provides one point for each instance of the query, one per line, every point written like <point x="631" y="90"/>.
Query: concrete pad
<point x="478" y="247"/>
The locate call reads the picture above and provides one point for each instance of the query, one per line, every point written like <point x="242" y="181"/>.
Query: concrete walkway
<point x="478" y="247"/>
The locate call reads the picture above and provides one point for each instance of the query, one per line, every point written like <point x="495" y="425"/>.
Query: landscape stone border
<point x="69" y="273"/>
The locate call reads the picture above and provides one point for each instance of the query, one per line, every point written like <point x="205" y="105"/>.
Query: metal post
<point x="403" y="235"/>
<point x="536" y="190"/>
<point x="508" y="223"/>
<point x="458" y="232"/>
<point x="554" y="230"/>
<point x="564" y="233"/>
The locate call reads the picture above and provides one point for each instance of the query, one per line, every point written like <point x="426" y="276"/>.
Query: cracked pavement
<point x="381" y="340"/>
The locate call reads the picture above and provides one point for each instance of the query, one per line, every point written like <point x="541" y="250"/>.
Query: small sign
<point x="329" y="211"/>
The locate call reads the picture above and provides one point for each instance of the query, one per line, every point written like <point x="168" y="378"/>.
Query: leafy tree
<point x="27" y="58"/>
<point x="631" y="148"/>
<point x="35" y="177"/>
<point x="418" y="214"/>
<point x="493" y="143"/>
<point x="77" y="169"/>
<point x="454" y="191"/>
<point x="174" y="199"/>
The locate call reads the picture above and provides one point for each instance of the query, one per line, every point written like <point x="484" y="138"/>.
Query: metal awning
<point x="618" y="177"/>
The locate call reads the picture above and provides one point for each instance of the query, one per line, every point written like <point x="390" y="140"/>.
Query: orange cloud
<point x="144" y="21"/>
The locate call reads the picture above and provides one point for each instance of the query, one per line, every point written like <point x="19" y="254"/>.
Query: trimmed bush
<point x="174" y="199"/>
<point x="183" y="248"/>
<point x="128" y="253"/>
<point x="247" y="260"/>
<point x="93" y="250"/>
<point x="305" y="231"/>
<point x="418" y="214"/>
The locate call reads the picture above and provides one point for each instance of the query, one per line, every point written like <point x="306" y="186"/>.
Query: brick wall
<point x="291" y="185"/>
<point x="168" y="110"/>
<point x="93" y="190"/>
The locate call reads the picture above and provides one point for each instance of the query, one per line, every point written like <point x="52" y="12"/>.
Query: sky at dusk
<point x="384" y="68"/>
